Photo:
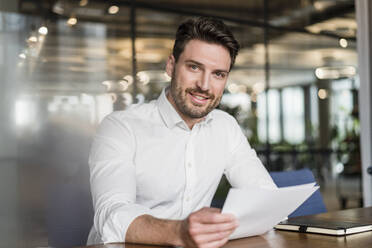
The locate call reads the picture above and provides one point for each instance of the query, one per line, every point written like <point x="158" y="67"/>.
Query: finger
<point x="214" y="217"/>
<point x="210" y="237"/>
<point x="214" y="244"/>
<point x="214" y="228"/>
<point x="210" y="210"/>
<point x="216" y="210"/>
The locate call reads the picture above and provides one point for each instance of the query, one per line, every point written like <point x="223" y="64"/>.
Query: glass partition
<point x="65" y="65"/>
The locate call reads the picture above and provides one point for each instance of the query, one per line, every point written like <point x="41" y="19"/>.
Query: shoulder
<point x="132" y="116"/>
<point x="228" y="127"/>
<point x="223" y="118"/>
<point x="137" y="112"/>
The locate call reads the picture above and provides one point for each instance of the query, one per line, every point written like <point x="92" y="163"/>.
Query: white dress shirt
<point x="145" y="160"/>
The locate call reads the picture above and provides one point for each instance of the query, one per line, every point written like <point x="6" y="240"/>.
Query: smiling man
<point x="156" y="166"/>
<point x="198" y="79"/>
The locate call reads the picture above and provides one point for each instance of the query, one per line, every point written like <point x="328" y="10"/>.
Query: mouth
<point x="197" y="98"/>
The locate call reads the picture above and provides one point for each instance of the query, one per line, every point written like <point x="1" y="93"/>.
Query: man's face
<point x="198" y="78"/>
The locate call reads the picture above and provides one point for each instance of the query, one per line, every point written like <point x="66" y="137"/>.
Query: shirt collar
<point x="170" y="115"/>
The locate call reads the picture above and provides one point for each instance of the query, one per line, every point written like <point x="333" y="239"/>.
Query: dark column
<point x="267" y="81"/>
<point x="307" y="114"/>
<point x="364" y="41"/>
<point x="281" y="115"/>
<point x="134" y="57"/>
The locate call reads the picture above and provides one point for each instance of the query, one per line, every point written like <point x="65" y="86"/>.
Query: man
<point x="155" y="167"/>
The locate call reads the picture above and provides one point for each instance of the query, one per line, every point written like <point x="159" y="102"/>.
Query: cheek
<point x="187" y="79"/>
<point x="218" y="89"/>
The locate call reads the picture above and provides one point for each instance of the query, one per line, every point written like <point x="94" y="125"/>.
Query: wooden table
<point x="285" y="239"/>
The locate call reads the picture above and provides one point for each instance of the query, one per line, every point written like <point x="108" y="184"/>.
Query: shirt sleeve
<point x="113" y="180"/>
<point x="244" y="168"/>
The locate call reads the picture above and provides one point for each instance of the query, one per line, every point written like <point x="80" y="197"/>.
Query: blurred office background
<point x="66" y="64"/>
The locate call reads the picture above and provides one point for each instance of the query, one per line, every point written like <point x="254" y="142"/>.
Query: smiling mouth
<point x="198" y="99"/>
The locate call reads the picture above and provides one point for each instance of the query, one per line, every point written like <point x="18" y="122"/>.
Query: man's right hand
<point x="207" y="228"/>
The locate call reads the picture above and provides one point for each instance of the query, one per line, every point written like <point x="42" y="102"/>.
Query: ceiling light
<point x="72" y="21"/>
<point x="83" y="3"/>
<point x="343" y="43"/>
<point x="335" y="72"/>
<point x="32" y="39"/>
<point x="113" y="9"/>
<point x="123" y="85"/>
<point x="322" y="5"/>
<point x="143" y="77"/>
<point x="43" y="30"/>
<point x="322" y="93"/>
<point x="22" y="56"/>
<point x="58" y="8"/>
<point x="129" y="79"/>
<point x="343" y="27"/>
<point x="108" y="84"/>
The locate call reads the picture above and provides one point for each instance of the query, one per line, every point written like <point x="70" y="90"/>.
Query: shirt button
<point x="189" y="165"/>
<point x="187" y="199"/>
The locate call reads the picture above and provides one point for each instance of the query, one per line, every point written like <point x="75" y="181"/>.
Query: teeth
<point x="199" y="97"/>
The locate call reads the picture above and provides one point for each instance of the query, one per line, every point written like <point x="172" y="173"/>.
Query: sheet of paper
<point x="260" y="209"/>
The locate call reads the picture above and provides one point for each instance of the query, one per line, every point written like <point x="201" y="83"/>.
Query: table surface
<point x="285" y="239"/>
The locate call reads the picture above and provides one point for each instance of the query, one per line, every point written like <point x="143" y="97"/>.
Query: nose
<point x="204" y="81"/>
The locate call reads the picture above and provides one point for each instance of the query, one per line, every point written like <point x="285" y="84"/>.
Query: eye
<point x="194" y="67"/>
<point x="220" y="74"/>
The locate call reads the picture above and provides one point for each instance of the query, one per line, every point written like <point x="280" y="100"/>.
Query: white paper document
<point x="260" y="209"/>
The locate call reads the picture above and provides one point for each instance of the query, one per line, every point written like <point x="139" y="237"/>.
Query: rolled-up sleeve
<point x="113" y="180"/>
<point x="244" y="168"/>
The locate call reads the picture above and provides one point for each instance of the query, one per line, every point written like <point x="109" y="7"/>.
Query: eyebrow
<point x="201" y="65"/>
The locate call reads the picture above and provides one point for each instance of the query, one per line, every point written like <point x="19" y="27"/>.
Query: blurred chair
<point x="313" y="205"/>
<point x="69" y="214"/>
<point x="349" y="182"/>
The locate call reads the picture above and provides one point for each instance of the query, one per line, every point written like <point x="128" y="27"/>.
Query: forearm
<point x="146" y="229"/>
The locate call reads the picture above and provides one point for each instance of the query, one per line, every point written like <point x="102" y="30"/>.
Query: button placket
<point x="189" y="171"/>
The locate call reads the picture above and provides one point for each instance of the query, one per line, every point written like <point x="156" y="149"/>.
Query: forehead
<point x="209" y="54"/>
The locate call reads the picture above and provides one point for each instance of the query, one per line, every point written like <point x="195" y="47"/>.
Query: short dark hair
<point x="206" y="29"/>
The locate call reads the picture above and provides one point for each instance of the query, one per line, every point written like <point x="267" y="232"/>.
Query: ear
<point x="171" y="63"/>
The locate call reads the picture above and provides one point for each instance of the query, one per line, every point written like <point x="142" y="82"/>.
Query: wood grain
<point x="286" y="239"/>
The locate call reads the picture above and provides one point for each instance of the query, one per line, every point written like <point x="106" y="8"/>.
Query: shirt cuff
<point x="115" y="227"/>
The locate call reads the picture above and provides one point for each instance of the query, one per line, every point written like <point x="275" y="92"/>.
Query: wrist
<point x="176" y="231"/>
